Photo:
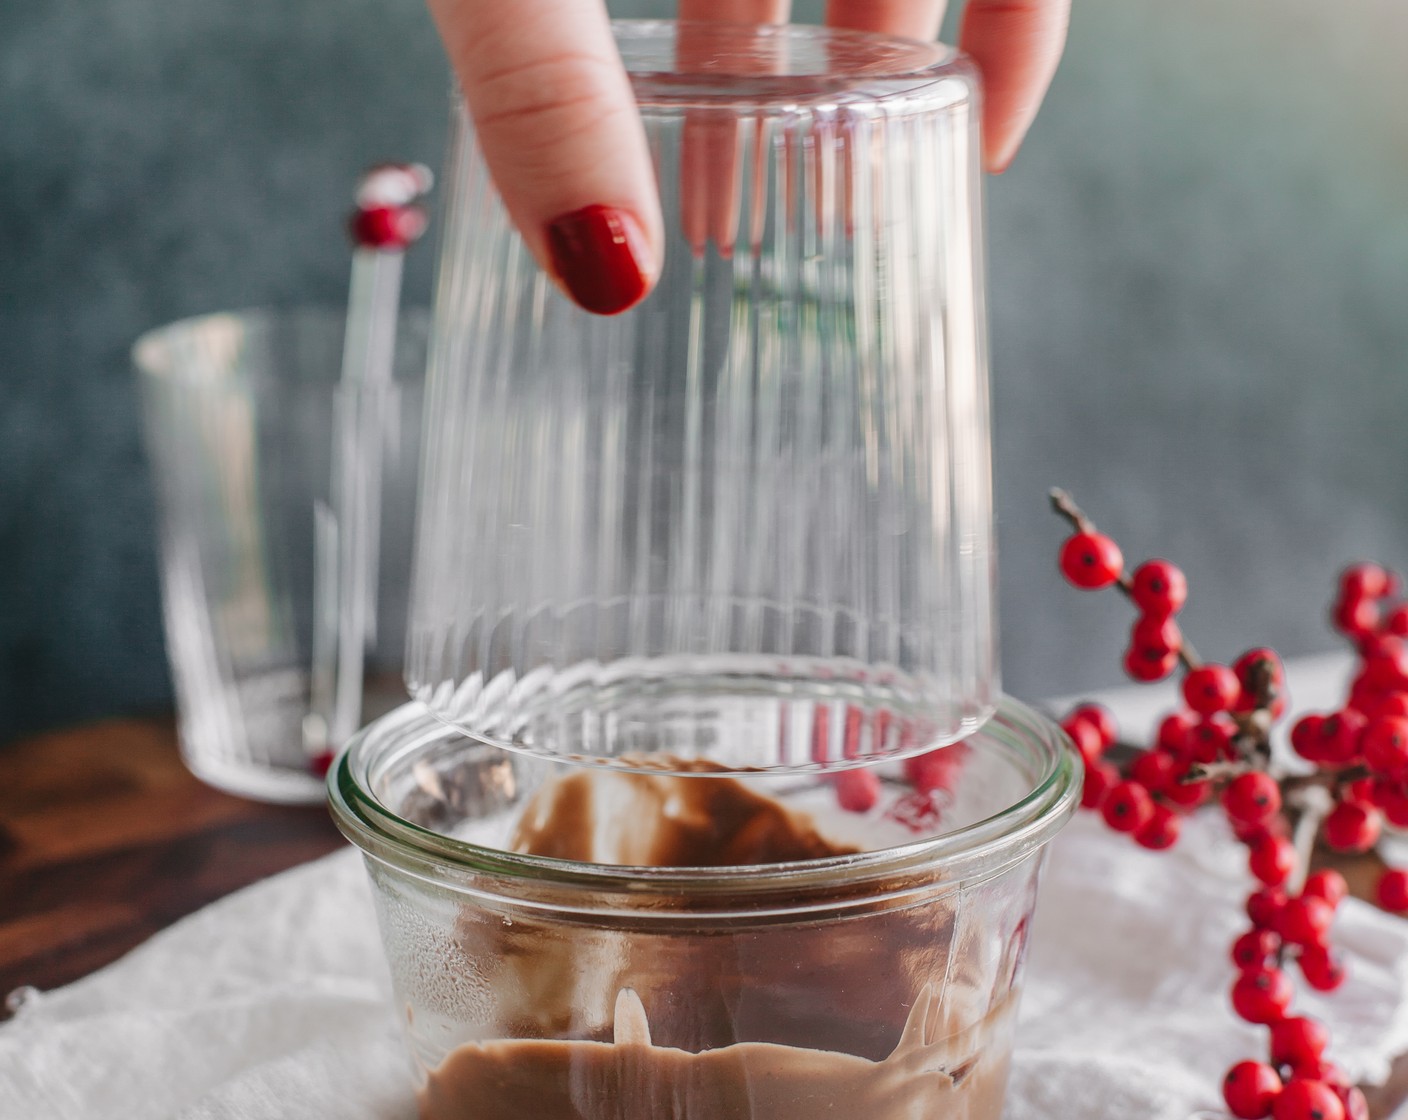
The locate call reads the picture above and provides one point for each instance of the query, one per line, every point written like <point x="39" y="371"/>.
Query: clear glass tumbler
<point x="242" y="413"/>
<point x="871" y="970"/>
<point x="755" y="509"/>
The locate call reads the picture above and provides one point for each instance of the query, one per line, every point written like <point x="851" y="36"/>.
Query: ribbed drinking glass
<point x="750" y="520"/>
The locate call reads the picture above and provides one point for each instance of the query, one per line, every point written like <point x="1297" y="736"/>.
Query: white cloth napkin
<point x="275" y="1002"/>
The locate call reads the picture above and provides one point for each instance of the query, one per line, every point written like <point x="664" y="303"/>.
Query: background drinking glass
<point x="749" y="520"/>
<point x="242" y="413"/>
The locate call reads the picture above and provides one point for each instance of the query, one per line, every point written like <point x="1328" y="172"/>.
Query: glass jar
<point x="872" y="970"/>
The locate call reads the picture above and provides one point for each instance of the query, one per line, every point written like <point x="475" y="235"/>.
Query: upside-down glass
<point x="749" y="520"/>
<point x="876" y="985"/>
<point x="242" y="414"/>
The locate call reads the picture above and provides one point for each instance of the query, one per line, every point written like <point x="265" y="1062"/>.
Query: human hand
<point x="556" y="121"/>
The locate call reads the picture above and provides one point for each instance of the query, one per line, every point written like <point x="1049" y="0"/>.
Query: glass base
<point x="258" y="783"/>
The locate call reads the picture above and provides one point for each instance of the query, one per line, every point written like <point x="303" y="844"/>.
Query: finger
<point x="1016" y="44"/>
<point x="556" y="121"/>
<point x="736" y="11"/>
<point x="910" y="19"/>
<point x="711" y="155"/>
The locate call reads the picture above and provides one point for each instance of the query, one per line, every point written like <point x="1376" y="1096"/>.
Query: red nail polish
<point x="597" y="252"/>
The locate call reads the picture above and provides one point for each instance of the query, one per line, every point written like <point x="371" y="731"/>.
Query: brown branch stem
<point x="1065" y="505"/>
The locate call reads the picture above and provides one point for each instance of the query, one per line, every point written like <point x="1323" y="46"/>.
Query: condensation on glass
<point x="750" y="520"/>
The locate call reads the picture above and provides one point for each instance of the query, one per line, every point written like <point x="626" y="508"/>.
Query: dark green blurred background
<point x="1199" y="299"/>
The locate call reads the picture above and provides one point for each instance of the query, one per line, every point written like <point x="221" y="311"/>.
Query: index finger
<point x="557" y="124"/>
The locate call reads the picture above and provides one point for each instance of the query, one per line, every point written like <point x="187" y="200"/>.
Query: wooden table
<point x="105" y="839"/>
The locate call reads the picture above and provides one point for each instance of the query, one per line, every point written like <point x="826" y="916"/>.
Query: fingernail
<point x="598" y="254"/>
<point x="1001" y="159"/>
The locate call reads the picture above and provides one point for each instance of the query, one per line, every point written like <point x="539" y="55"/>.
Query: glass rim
<point x="859" y="67"/>
<point x="143" y="351"/>
<point x="143" y="347"/>
<point x="984" y="846"/>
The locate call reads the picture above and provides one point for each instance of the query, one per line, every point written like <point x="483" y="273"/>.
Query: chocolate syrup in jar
<point x="875" y="1015"/>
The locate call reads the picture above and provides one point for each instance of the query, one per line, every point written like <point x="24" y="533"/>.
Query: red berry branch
<point x="1217" y="746"/>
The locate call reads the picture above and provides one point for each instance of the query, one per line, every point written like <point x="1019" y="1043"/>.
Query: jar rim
<point x="978" y="849"/>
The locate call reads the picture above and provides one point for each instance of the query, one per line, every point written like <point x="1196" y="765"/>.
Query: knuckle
<point x="545" y="97"/>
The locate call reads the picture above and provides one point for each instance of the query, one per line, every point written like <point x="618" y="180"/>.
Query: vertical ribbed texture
<point x="751" y="519"/>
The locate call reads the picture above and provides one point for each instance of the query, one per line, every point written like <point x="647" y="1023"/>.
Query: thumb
<point x="555" y="119"/>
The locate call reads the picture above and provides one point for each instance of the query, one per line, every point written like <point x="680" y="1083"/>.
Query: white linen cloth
<point x="275" y="1002"/>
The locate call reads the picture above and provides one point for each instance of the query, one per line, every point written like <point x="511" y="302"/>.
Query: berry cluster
<point x="1217" y="746"/>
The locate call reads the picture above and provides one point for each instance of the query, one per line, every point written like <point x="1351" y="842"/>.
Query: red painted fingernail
<point x="597" y="252"/>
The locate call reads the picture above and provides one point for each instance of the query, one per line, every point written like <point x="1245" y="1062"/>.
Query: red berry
<point x="1326" y="883"/>
<point x="857" y="791"/>
<point x="1186" y="795"/>
<point x="1250" y="1090"/>
<point x="1364" y="697"/>
<point x="1385" y="745"/>
<point x="1160" y="831"/>
<point x="935" y="770"/>
<point x="1211" y="739"/>
<point x="1091" y="560"/>
<point x="1360" y="790"/>
<point x="1307" y="737"/>
<point x="1386" y="666"/>
<point x="1261" y="995"/>
<point x="1257" y="656"/>
<point x="1149" y="664"/>
<point x="1252" y="949"/>
<point x="1342" y="732"/>
<point x="1273" y="860"/>
<point x="1253" y="835"/>
<point x="1392" y="890"/>
<point x="1159" y="588"/>
<point x="1298" y="1039"/>
<point x="1352" y="827"/>
<point x="1211" y="688"/>
<point x="1378" y="644"/>
<point x="1173" y="734"/>
<point x="1252" y="797"/>
<point x="1392" y="798"/>
<point x="1322" y="968"/>
<point x="1086" y="739"/>
<point x="1127" y="807"/>
<point x="1391" y="703"/>
<point x="1264" y="907"/>
<point x="1356" y="1105"/>
<point x="1099" y="780"/>
<point x="1355" y="618"/>
<point x="1319" y="1069"/>
<point x="1154" y="770"/>
<point x="1364" y="581"/>
<point x="1305" y="920"/>
<point x="1396" y="621"/>
<point x="1100" y="718"/>
<point x="1307" y="1100"/>
<point x="1249" y="668"/>
<point x="1156" y="635"/>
